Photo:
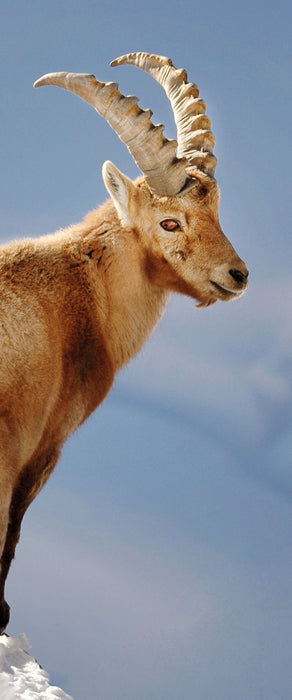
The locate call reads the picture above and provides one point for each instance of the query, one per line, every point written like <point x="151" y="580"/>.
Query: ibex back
<point x="77" y="305"/>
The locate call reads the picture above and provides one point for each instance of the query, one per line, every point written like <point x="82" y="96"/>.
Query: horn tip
<point x="116" y="61"/>
<point x="49" y="79"/>
<point x="138" y="56"/>
<point x="39" y="82"/>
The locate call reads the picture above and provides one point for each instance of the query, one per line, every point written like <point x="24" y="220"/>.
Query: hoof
<point x="4" y="615"/>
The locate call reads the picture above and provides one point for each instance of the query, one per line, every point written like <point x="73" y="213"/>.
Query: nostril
<point x="238" y="276"/>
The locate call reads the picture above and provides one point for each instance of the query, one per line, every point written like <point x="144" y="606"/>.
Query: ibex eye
<point x="169" y="224"/>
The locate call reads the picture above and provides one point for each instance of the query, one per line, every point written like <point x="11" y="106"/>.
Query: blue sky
<point x="155" y="563"/>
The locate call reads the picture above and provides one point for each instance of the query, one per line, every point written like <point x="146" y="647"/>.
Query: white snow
<point x="21" y="677"/>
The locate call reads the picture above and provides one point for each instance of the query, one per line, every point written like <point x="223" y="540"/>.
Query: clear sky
<point x="156" y="562"/>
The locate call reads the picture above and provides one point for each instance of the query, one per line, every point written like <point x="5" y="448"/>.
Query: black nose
<point x="239" y="276"/>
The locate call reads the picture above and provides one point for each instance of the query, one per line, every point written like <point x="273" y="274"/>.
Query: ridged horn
<point x="194" y="136"/>
<point x="154" y="154"/>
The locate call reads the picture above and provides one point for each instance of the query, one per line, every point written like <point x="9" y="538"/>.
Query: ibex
<point x="78" y="304"/>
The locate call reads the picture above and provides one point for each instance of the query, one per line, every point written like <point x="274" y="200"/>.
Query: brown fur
<point x="77" y="305"/>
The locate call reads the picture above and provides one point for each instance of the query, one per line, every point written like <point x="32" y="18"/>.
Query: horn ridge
<point x="186" y="105"/>
<point x="155" y="155"/>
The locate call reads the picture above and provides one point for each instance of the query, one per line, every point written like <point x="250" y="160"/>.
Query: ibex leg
<point x="5" y="501"/>
<point x="30" y="482"/>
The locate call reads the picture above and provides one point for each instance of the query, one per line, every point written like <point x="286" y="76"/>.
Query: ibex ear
<point x="119" y="187"/>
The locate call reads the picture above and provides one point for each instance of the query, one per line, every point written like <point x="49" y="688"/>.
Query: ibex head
<point x="173" y="209"/>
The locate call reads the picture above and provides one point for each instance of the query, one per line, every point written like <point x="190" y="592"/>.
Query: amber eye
<point x="169" y="224"/>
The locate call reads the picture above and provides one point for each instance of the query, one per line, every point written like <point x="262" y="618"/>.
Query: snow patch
<point x="21" y="676"/>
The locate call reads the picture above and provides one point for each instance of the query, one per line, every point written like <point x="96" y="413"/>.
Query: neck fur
<point x="134" y="304"/>
<point x="129" y="303"/>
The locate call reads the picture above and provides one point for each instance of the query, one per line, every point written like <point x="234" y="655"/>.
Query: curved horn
<point x="154" y="154"/>
<point x="195" y="139"/>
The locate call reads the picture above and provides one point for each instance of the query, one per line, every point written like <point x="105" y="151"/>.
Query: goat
<point x="78" y="304"/>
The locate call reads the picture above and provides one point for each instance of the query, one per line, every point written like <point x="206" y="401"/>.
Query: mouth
<point x="226" y="293"/>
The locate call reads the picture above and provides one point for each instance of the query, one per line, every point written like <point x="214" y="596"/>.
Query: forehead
<point x="203" y="196"/>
